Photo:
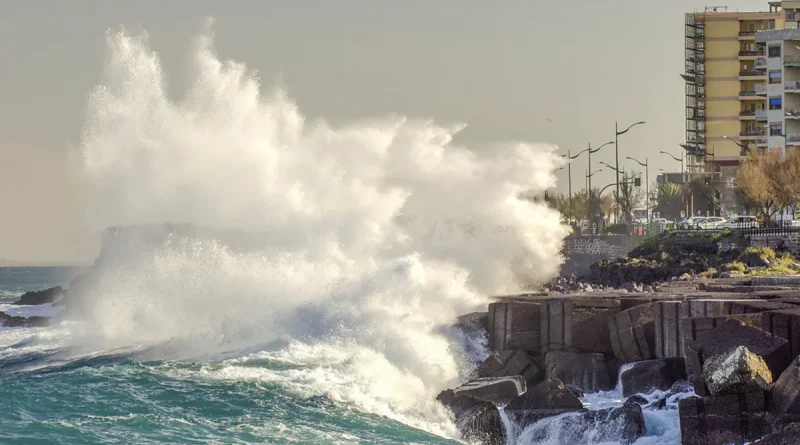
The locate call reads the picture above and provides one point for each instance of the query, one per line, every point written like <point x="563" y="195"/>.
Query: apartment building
<point x="726" y="85"/>
<point x="781" y="119"/>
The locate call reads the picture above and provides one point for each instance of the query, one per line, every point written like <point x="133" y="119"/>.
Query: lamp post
<point x="681" y="160"/>
<point x="617" y="134"/>
<point x="646" y="185"/>
<point x="744" y="147"/>
<point x="616" y="196"/>
<point x="593" y="150"/>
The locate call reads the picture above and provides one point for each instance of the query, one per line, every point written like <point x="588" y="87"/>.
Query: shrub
<point x="752" y="252"/>
<point x="734" y="266"/>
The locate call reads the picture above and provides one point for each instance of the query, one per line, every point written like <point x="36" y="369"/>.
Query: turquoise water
<point x="52" y="393"/>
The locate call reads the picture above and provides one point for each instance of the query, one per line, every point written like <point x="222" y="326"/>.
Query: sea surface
<point x="56" y="393"/>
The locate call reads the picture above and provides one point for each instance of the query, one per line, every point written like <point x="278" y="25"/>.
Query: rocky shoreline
<point x="727" y="349"/>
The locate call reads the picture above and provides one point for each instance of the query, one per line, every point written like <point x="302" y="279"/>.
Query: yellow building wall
<point x="723" y="148"/>
<point x="722" y="88"/>
<point x="721" y="28"/>
<point x="722" y="48"/>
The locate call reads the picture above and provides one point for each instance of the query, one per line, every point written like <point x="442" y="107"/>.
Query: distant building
<point x="726" y="85"/>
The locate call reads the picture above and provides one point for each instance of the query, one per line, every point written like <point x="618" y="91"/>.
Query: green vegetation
<point x="734" y="266"/>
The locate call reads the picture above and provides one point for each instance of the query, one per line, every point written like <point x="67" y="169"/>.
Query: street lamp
<point x="646" y="185"/>
<point x="744" y="147"/>
<point x="589" y="180"/>
<point x="593" y="150"/>
<point x="617" y="134"/>
<point x="612" y="167"/>
<point x="683" y="168"/>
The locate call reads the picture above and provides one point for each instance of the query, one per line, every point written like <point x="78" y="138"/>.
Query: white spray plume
<point x="373" y="235"/>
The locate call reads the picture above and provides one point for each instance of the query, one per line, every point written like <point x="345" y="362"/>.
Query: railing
<point x="792" y="113"/>
<point x="747" y="113"/>
<point x="791" y="59"/>
<point x="792" y="138"/>
<point x="746" y="33"/>
<point x="753" y="132"/>
<point x="761" y="142"/>
<point x="760" y="88"/>
<point x="761" y="64"/>
<point x="761" y="115"/>
<point x="791" y="85"/>
<point x="656" y="228"/>
<point x="751" y="53"/>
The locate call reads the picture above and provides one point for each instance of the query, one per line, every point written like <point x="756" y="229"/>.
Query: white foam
<point x="378" y="233"/>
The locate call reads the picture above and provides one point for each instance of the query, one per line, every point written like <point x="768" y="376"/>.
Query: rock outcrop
<point x="736" y="371"/>
<point x="644" y="377"/>
<point x="41" y="297"/>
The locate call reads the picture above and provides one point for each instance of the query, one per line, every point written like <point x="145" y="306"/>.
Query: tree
<point x="759" y="183"/>
<point x="668" y="200"/>
<point x="703" y="194"/>
<point x="630" y="196"/>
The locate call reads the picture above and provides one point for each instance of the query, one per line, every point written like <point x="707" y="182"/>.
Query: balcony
<point x="751" y="53"/>
<point x="761" y="115"/>
<point x="751" y="73"/>
<point x="792" y="86"/>
<point x="761" y="142"/>
<point x="792" y="113"/>
<point x="747" y="33"/>
<point x="761" y="63"/>
<point x="791" y="60"/>
<point x="760" y="89"/>
<point x="753" y="132"/>
<point x="793" y="139"/>
<point x="747" y="113"/>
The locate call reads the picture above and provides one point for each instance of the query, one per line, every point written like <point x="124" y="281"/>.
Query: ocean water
<point x="55" y="392"/>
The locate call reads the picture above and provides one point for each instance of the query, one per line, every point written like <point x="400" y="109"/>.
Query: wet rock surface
<point x="646" y="376"/>
<point x="736" y="371"/>
<point x="41" y="297"/>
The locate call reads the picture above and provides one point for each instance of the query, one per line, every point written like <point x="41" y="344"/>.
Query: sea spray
<point x="372" y="236"/>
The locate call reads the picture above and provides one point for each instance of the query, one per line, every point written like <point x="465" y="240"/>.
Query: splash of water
<point x="372" y="236"/>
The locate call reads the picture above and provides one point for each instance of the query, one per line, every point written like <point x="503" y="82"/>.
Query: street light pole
<point x="595" y="150"/>
<point x="646" y="185"/>
<point x="617" y="134"/>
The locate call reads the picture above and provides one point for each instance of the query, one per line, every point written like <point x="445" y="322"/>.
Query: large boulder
<point x="478" y="422"/>
<point x="723" y="420"/>
<point x="590" y="318"/>
<point x="623" y="425"/>
<point x="41" y="297"/>
<point x="729" y="335"/>
<point x="632" y="333"/>
<point x="497" y="390"/>
<point x="588" y="372"/>
<point x="646" y="376"/>
<point x="790" y="435"/>
<point x="736" y="371"/>
<point x="10" y="321"/>
<point x="510" y="363"/>
<point x="548" y="395"/>
<point x="514" y="324"/>
<point x="785" y="401"/>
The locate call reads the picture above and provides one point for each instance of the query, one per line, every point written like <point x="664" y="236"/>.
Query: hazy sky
<point x="537" y="70"/>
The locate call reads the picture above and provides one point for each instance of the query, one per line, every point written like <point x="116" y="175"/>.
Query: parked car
<point x="692" y="220"/>
<point x="740" y="222"/>
<point x="710" y="222"/>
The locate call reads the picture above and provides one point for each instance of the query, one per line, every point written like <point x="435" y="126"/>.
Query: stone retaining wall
<point x="580" y="252"/>
<point x="790" y="240"/>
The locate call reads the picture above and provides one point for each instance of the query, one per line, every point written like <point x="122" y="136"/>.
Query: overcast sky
<point x="536" y="70"/>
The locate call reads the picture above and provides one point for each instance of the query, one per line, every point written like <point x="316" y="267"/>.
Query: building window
<point x="772" y="24"/>
<point x="775" y="51"/>
<point x="775" y="129"/>
<point x="752" y="27"/>
<point x="774" y="77"/>
<point x="775" y="103"/>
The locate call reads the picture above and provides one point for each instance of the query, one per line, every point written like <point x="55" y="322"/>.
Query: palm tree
<point x="667" y="200"/>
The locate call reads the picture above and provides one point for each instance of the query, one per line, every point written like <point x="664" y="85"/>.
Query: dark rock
<point x="478" y="422"/>
<point x="548" y="395"/>
<point x="575" y="390"/>
<point x="497" y="390"/>
<point x="41" y="297"/>
<point x="680" y="386"/>
<point x="789" y="435"/>
<point x="723" y="420"/>
<point x="659" y="404"/>
<point x="637" y="399"/>
<point x="736" y="371"/>
<point x="514" y="324"/>
<point x="623" y="425"/>
<point x="632" y="333"/>
<point x="510" y="363"/>
<point x="785" y="324"/>
<point x="590" y="321"/>
<point x="785" y="401"/>
<point x="23" y="322"/>
<point x="693" y="328"/>
<point x="646" y="376"/>
<point x="556" y="325"/>
<point x="474" y="322"/>
<point x="586" y="371"/>
<point x="729" y="335"/>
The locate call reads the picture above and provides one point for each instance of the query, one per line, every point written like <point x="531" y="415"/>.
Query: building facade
<point x="726" y="76"/>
